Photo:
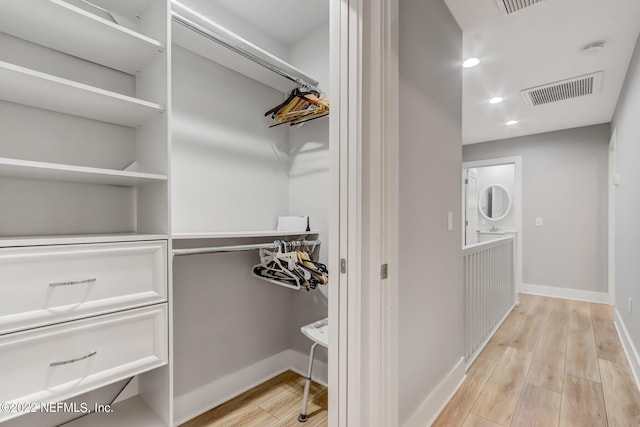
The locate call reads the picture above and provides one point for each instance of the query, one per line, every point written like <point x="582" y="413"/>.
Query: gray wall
<point x="627" y="268"/>
<point x="564" y="181"/>
<point x="430" y="312"/>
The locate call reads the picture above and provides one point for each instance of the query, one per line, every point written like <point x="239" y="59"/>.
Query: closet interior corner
<point x="165" y="183"/>
<point x="239" y="69"/>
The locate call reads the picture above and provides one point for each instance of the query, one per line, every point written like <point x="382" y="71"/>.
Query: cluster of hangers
<point x="301" y="106"/>
<point x="291" y="265"/>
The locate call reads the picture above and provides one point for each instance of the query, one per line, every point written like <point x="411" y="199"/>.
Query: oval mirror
<point x="494" y="202"/>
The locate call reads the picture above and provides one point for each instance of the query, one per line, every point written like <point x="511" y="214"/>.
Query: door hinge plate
<point x="343" y="266"/>
<point x="384" y="271"/>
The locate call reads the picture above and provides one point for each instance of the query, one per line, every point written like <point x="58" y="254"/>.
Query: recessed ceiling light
<point x="512" y="122"/>
<point x="470" y="62"/>
<point x="496" y="100"/>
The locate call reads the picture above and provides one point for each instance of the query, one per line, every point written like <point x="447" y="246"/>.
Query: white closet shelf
<point x="27" y="169"/>
<point x="77" y="239"/>
<point x="33" y="88"/>
<point x="129" y="9"/>
<point x="240" y="234"/>
<point x="61" y="26"/>
<point x="130" y="412"/>
<point x="219" y="54"/>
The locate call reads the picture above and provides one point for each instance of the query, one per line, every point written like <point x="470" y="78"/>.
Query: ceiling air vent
<point x="512" y="6"/>
<point x="563" y="90"/>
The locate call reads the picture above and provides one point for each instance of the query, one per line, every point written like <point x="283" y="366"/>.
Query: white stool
<point x="318" y="332"/>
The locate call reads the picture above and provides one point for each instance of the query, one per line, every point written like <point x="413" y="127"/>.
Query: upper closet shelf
<point x="130" y="9"/>
<point x="27" y="169"/>
<point x="240" y="234"/>
<point x="205" y="37"/>
<point x="33" y="88"/>
<point x="61" y="26"/>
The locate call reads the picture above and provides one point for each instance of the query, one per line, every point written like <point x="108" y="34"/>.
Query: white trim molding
<point x="433" y="405"/>
<point x="629" y="349"/>
<point x="208" y="396"/>
<point x="574" y="294"/>
<point x="364" y="141"/>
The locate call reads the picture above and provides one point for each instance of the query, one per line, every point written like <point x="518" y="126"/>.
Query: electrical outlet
<point x="630" y="305"/>
<point x="450" y="221"/>
<point x="539" y="221"/>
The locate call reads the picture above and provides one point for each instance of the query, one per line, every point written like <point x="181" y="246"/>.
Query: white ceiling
<point x="284" y="20"/>
<point x="541" y="44"/>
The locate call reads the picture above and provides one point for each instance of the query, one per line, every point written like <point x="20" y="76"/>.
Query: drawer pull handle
<point x="66" y="362"/>
<point x="77" y="282"/>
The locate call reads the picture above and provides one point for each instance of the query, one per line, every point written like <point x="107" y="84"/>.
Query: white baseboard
<point x="575" y="294"/>
<point x="629" y="349"/>
<point x="431" y="407"/>
<point x="200" y="400"/>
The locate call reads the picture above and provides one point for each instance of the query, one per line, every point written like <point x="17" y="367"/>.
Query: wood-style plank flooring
<point x="553" y="362"/>
<point x="276" y="402"/>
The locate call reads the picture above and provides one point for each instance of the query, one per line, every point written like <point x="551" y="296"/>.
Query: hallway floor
<point x="553" y="362"/>
<point x="276" y="402"/>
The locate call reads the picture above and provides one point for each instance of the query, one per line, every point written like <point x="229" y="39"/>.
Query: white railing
<point x="489" y="291"/>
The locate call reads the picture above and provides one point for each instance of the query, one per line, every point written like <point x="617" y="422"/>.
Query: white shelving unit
<point x="35" y="89"/>
<point x="27" y="169"/>
<point x="84" y="96"/>
<point x="130" y="412"/>
<point x="22" y="241"/>
<point x="56" y="24"/>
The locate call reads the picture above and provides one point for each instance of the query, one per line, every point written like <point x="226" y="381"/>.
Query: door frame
<point x="517" y="202"/>
<point x="465" y="199"/>
<point x="365" y="218"/>
<point x="611" y="241"/>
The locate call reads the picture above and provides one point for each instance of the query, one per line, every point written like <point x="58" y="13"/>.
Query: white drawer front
<point x="58" y="362"/>
<point x="48" y="284"/>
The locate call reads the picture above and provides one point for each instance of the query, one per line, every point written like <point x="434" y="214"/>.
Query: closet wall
<point x="309" y="187"/>
<point x="232" y="173"/>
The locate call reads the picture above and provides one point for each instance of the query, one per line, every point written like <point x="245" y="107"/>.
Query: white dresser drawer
<point x="47" y="284"/>
<point x="58" y="362"/>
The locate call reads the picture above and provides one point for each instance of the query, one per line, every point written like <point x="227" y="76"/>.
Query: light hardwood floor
<point x="276" y="402"/>
<point x="553" y="362"/>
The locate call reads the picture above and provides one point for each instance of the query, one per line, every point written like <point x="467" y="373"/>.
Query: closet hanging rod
<point x="241" y="47"/>
<point x="242" y="248"/>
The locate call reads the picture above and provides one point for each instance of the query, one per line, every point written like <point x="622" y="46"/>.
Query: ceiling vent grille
<point x="563" y="90"/>
<point x="512" y="6"/>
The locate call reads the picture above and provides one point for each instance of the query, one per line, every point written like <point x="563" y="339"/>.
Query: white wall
<point x="627" y="235"/>
<point x="431" y="300"/>
<point x="229" y="170"/>
<point x="564" y="181"/>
